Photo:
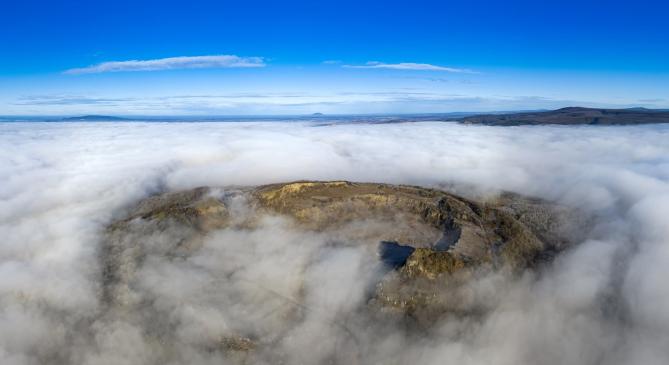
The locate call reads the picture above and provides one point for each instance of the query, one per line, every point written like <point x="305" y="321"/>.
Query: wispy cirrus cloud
<point x="69" y="100"/>
<point x="171" y="63"/>
<point x="656" y="100"/>
<point x="410" y="66"/>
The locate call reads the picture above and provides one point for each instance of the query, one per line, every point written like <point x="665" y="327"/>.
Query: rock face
<point x="429" y="241"/>
<point x="460" y="231"/>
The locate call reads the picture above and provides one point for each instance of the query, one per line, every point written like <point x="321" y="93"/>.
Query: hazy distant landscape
<point x="564" y="116"/>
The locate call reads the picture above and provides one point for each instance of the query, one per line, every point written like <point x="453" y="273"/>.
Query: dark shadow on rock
<point x="451" y="236"/>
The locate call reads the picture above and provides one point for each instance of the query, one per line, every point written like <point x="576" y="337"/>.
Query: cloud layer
<point x="276" y="103"/>
<point x="409" y="66"/>
<point x="604" y="302"/>
<point x="172" y="63"/>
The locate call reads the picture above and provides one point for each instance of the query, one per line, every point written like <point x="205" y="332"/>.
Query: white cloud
<point x="604" y="302"/>
<point x="294" y="102"/>
<point x="410" y="66"/>
<point x="171" y="63"/>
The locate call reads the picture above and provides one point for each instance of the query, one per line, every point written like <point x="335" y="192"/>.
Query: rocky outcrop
<point x="492" y="233"/>
<point x="429" y="241"/>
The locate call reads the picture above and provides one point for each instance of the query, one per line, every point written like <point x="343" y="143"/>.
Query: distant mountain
<point x="92" y="118"/>
<point x="573" y="116"/>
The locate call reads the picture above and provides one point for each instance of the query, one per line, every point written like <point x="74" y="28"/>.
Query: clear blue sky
<point x="285" y="57"/>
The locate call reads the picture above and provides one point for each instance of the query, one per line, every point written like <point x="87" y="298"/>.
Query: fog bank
<point x="602" y="302"/>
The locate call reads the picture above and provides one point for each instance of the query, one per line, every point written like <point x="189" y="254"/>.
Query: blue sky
<point x="293" y="57"/>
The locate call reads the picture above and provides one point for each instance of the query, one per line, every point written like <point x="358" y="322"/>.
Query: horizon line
<point x="313" y="115"/>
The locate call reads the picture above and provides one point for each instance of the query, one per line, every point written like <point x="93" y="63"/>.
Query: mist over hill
<point x="171" y="288"/>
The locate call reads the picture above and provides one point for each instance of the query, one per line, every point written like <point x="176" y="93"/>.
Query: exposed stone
<point x="431" y="240"/>
<point x="237" y="343"/>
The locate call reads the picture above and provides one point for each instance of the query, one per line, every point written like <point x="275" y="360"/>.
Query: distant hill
<point x="573" y="116"/>
<point x="92" y="118"/>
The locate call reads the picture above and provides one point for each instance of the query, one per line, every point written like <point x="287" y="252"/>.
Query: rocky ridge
<point x="430" y="242"/>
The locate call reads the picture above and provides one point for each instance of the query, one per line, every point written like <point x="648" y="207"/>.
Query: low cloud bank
<point x="603" y="302"/>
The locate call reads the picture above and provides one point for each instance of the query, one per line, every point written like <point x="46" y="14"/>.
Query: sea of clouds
<point x="605" y="301"/>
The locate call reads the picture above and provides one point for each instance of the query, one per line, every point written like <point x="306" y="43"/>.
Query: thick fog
<point x="297" y="298"/>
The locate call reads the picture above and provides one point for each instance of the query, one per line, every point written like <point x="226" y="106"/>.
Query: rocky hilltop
<point x="428" y="243"/>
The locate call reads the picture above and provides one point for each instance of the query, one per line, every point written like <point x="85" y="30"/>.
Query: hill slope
<point x="573" y="116"/>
